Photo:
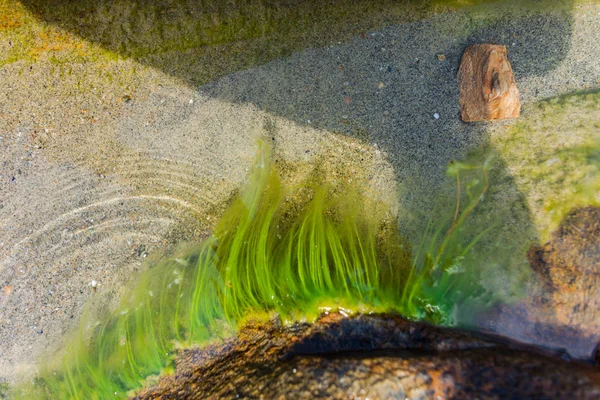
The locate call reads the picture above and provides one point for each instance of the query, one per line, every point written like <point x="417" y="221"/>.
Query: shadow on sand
<point x="367" y="69"/>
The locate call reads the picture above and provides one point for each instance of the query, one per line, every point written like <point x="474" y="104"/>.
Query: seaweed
<point x="328" y="248"/>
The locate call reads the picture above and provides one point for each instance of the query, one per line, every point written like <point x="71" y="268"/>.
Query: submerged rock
<point x="569" y="264"/>
<point x="487" y="85"/>
<point x="562" y="309"/>
<point x="371" y="356"/>
<point x="568" y="267"/>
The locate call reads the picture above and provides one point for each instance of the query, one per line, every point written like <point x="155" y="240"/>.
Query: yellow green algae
<point x="291" y="249"/>
<point x="199" y="41"/>
<point x="94" y="366"/>
<point x="553" y="154"/>
<point x="4" y="390"/>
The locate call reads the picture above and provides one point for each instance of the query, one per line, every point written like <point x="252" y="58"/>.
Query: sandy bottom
<point x="92" y="185"/>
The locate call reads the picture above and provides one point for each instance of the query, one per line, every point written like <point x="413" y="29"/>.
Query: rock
<point x="562" y="306"/>
<point x="568" y="266"/>
<point x="370" y="356"/>
<point x="487" y="85"/>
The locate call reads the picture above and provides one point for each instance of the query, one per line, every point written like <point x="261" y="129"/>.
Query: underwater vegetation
<point x="554" y="155"/>
<point x="295" y="249"/>
<point x="159" y="32"/>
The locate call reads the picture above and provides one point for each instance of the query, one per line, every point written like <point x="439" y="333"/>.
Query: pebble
<point x="436" y="116"/>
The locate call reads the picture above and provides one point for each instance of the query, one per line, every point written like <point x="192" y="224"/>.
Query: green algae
<point x="291" y="249"/>
<point x="553" y="154"/>
<point x="201" y="41"/>
<point x="4" y="390"/>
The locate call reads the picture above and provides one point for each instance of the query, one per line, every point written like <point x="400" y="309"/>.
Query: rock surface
<point x="562" y="309"/>
<point x="487" y="85"/>
<point x="370" y="356"/>
<point x="569" y="268"/>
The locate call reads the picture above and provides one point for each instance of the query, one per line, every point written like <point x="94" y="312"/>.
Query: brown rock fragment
<point x="487" y="85"/>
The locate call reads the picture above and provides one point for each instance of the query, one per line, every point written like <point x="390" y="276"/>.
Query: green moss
<point x="4" y="390"/>
<point x="289" y="249"/>
<point x="200" y="41"/>
<point x="553" y="155"/>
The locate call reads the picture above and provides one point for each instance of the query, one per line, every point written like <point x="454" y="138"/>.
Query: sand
<point x="97" y="175"/>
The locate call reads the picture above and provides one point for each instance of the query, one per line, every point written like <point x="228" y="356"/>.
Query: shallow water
<point x="128" y="130"/>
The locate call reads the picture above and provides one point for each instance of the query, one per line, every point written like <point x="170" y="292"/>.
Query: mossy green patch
<point x="553" y="153"/>
<point x="4" y="390"/>
<point x="201" y="41"/>
<point x="24" y="38"/>
<point x="291" y="249"/>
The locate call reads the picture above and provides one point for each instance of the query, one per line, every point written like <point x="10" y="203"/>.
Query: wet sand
<point x="106" y="164"/>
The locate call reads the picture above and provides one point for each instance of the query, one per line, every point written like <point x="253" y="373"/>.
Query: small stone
<point x="441" y="57"/>
<point x="381" y="85"/>
<point x="488" y="90"/>
<point x="436" y="116"/>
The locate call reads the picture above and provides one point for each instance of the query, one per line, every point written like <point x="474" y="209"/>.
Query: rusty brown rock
<point x="488" y="90"/>
<point x="370" y="356"/>
<point x="569" y="268"/>
<point x="562" y="309"/>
